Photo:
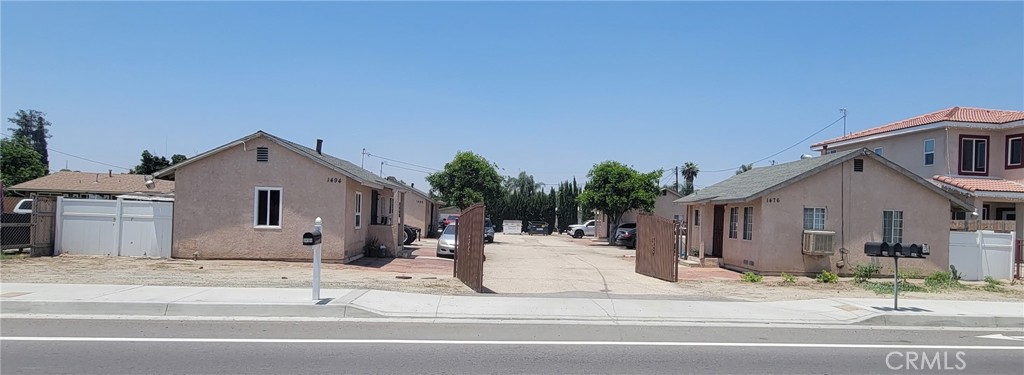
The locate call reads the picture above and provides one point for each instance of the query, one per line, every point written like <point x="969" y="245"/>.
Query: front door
<point x="719" y="231"/>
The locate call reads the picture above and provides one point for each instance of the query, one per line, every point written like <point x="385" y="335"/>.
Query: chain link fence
<point x="15" y="231"/>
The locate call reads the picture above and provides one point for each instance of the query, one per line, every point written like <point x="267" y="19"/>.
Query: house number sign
<point x="335" y="180"/>
<point x="772" y="200"/>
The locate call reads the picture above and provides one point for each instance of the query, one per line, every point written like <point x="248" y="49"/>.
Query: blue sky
<point x="546" y="88"/>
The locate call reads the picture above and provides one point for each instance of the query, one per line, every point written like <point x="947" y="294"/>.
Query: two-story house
<point x="974" y="152"/>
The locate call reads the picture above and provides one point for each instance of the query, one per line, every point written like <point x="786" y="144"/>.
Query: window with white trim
<point x="267" y="207"/>
<point x="734" y="221"/>
<point x="1013" y="150"/>
<point x="814" y="218"/>
<point x="892" y="226"/>
<point x="748" y="223"/>
<point x="929" y="152"/>
<point x="359" y="210"/>
<point x="878" y="151"/>
<point x="973" y="155"/>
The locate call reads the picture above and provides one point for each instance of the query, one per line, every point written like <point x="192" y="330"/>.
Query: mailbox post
<point x="896" y="251"/>
<point x="314" y="239"/>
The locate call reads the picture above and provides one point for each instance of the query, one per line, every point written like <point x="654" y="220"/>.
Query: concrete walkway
<point x="138" y="300"/>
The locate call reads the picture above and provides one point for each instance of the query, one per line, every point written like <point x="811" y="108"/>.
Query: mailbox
<point x="897" y="250"/>
<point x="913" y="251"/>
<point x="876" y="249"/>
<point x="311" y="238"/>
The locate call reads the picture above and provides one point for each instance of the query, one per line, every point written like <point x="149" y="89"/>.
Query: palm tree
<point x="689" y="171"/>
<point x="744" y="168"/>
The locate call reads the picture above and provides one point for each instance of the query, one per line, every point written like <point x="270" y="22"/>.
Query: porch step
<point x="694" y="262"/>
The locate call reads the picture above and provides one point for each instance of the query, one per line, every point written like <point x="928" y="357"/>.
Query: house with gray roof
<point x="816" y="213"/>
<point x="254" y="197"/>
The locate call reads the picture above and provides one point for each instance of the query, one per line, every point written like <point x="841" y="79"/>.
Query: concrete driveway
<point x="563" y="266"/>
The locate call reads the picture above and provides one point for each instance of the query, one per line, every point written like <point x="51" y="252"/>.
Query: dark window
<point x="748" y="223"/>
<point x="974" y="155"/>
<point x="262" y="154"/>
<point x="929" y="152"/>
<point x="696" y="217"/>
<point x="1013" y="151"/>
<point x="734" y="218"/>
<point x="858" y="165"/>
<point x="268" y="207"/>
<point x="892" y="226"/>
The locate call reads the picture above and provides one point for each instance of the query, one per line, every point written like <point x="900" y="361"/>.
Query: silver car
<point x="446" y="243"/>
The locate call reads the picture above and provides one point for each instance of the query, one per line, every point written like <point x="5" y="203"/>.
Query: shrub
<point x="993" y="285"/>
<point x="787" y="278"/>
<point x="863" y="272"/>
<point x="751" y="277"/>
<point x="827" y="277"/>
<point x="941" y="280"/>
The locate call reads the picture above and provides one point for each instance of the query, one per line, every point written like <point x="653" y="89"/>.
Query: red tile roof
<point x="961" y="114"/>
<point x="982" y="184"/>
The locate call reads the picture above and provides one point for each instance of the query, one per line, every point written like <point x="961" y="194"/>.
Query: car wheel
<point x="410" y="236"/>
<point x="578" y="234"/>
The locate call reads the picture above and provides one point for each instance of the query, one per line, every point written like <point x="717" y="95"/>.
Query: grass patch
<point x="993" y="285"/>
<point x="886" y="288"/>
<point x="751" y="277"/>
<point x="6" y="256"/>
<point x="788" y="279"/>
<point x="940" y="281"/>
<point x="827" y="277"/>
<point x="863" y="272"/>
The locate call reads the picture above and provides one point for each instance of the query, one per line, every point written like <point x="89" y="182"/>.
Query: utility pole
<point x="382" y="169"/>
<point x="677" y="179"/>
<point x="843" y="110"/>
<point x="362" y="160"/>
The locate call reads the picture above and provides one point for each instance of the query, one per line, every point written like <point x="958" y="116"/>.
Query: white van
<point x="24" y="207"/>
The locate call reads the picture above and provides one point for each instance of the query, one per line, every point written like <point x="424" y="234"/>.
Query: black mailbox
<point x="311" y="238"/>
<point x="897" y="250"/>
<point x="876" y="249"/>
<point x="913" y="251"/>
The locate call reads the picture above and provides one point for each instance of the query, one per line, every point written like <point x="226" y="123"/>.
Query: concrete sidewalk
<point x="138" y="300"/>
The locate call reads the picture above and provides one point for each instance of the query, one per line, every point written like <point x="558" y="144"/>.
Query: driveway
<point x="561" y="265"/>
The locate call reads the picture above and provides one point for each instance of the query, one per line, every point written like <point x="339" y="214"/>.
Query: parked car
<point x="626" y="238"/>
<point x="446" y="243"/>
<point x="441" y="224"/>
<point x="623" y="232"/>
<point x="537" y="227"/>
<point x="488" y="231"/>
<point x="585" y="229"/>
<point x="24" y="206"/>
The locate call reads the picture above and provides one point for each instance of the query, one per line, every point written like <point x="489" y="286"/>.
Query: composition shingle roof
<point x="959" y="114"/>
<point x="86" y="182"/>
<point x="981" y="184"/>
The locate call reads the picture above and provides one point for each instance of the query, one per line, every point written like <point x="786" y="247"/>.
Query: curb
<point x="945" y="321"/>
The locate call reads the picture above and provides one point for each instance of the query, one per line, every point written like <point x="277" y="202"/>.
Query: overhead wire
<point x="402" y="162"/>
<point x="408" y="169"/>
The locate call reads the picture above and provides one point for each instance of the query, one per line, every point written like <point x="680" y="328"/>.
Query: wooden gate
<point x="469" y="247"/>
<point x="44" y="216"/>
<point x="657" y="253"/>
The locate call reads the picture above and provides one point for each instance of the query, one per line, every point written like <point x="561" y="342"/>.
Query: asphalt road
<point x="52" y="346"/>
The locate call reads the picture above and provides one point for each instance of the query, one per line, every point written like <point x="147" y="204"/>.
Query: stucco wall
<point x="865" y="194"/>
<point x="664" y="207"/>
<point x="357" y="240"/>
<point x="417" y="210"/>
<point x="214" y="204"/>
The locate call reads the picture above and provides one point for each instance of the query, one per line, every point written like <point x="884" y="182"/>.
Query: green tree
<point x="466" y="180"/>
<point x="20" y="161"/>
<point x="744" y="168"/>
<point x="689" y="172"/>
<point x="32" y="126"/>
<point x="615" y="188"/>
<point x="151" y="164"/>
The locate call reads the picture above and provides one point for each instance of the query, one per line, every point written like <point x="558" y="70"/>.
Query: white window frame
<point x="878" y="151"/>
<point x="734" y="222"/>
<point x="359" y="210"/>
<point x="748" y="223"/>
<point x="974" y="155"/>
<point x="1009" y="151"/>
<point x="894" y="224"/>
<point x="926" y="152"/>
<point x="256" y="207"/>
<point x="817" y="217"/>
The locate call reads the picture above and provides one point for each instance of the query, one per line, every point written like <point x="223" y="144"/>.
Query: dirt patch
<point x="80" y="269"/>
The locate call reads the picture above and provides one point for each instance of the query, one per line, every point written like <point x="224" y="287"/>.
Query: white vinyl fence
<point x="982" y="253"/>
<point x="113" y="227"/>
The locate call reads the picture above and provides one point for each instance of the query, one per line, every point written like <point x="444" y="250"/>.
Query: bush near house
<point x="863" y="272"/>
<point x="827" y="277"/>
<point x="787" y="278"/>
<point x="751" y="277"/>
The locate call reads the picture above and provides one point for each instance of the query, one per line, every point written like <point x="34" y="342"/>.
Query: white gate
<point x="982" y="253"/>
<point x="113" y="227"/>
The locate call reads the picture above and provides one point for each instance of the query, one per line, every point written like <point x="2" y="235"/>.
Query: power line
<point x="408" y="169"/>
<point x="86" y="159"/>
<point x="785" y="149"/>
<point x="402" y="162"/>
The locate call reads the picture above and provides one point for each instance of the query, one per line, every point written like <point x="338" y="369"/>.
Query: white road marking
<point x="495" y="342"/>
<point x="1000" y="336"/>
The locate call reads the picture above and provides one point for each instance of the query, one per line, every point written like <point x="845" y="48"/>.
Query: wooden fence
<point x="657" y="253"/>
<point x="975" y="225"/>
<point x="469" y="247"/>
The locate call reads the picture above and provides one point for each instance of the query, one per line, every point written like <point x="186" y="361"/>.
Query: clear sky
<point x="546" y="88"/>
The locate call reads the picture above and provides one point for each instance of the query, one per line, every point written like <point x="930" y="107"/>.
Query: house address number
<point x="772" y="200"/>
<point x="335" y="180"/>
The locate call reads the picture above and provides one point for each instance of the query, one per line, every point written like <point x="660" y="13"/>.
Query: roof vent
<point x="319" y="146"/>
<point x="262" y="154"/>
<point x="806" y="156"/>
<point x="858" y="165"/>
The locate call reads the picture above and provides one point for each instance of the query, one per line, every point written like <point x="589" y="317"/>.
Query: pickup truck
<point x="585" y="229"/>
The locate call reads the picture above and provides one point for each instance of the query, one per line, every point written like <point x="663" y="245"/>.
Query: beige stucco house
<point x="254" y="197"/>
<point x="815" y="214"/>
<point x="421" y="210"/>
<point x="973" y="152"/>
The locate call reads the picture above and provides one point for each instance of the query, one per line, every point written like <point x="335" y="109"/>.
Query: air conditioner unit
<point x="818" y="242"/>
